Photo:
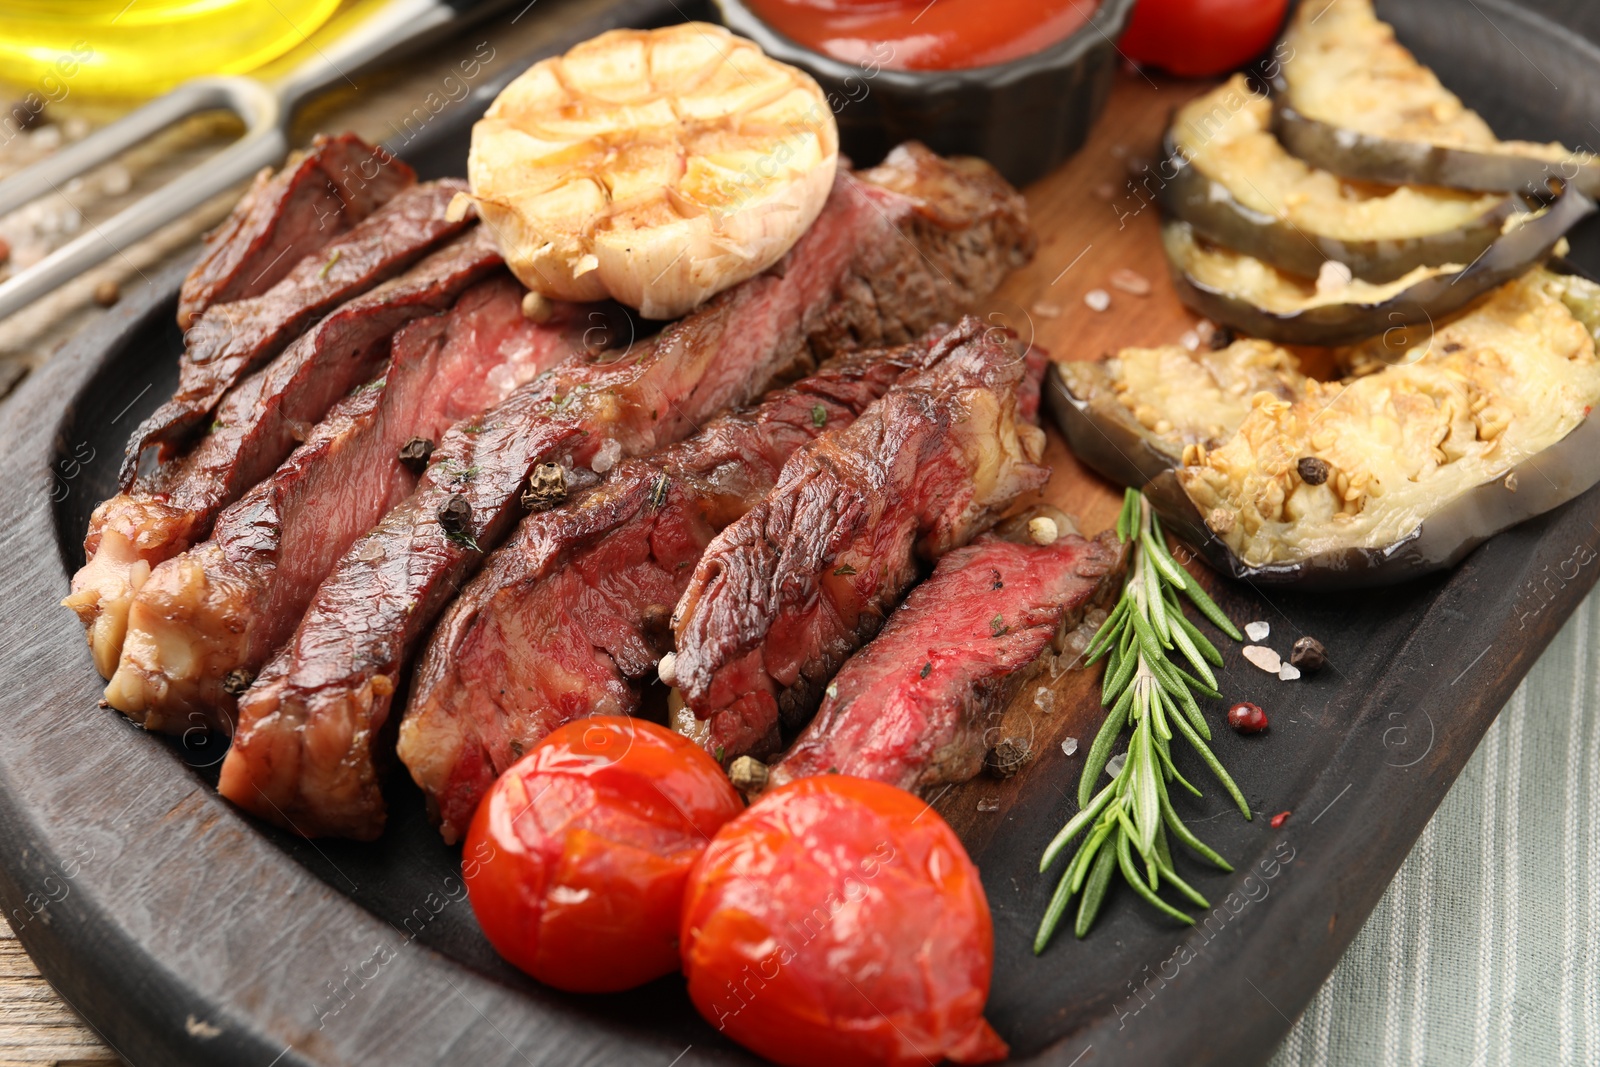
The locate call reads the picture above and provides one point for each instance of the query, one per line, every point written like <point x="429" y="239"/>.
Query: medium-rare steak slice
<point x="207" y="620"/>
<point x="573" y="608"/>
<point x="309" y="730"/>
<point x="913" y="707"/>
<point x="286" y="216"/>
<point x="231" y="340"/>
<point x="258" y="424"/>
<point x="783" y="596"/>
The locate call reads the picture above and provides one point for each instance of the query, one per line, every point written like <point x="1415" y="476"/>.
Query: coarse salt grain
<point x="1114" y="764"/>
<point x="1263" y="657"/>
<point x="1097" y="299"/>
<point x="1130" y="281"/>
<point x="1070" y="745"/>
<point x="1257" y="631"/>
<point x="606" y="456"/>
<point x="1044" y="699"/>
<point x="1288" y="672"/>
<point x="1049" y="311"/>
<point x="989" y="804"/>
<point x="1190" y="340"/>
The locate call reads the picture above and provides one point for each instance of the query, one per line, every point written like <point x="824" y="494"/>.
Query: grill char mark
<point x="227" y="604"/>
<point x="572" y="611"/>
<point x="874" y="269"/>
<point x="259" y="422"/>
<point x="310" y="200"/>
<point x="783" y="596"/>
<point x="914" y="707"/>
<point x="232" y="339"/>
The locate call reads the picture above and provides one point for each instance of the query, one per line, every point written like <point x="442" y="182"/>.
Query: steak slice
<point x="287" y="216"/>
<point x="573" y="608"/>
<point x="258" y="424"/>
<point x="303" y="755"/>
<point x="231" y="340"/>
<point x="913" y="707"/>
<point x="226" y="605"/>
<point x="784" y="595"/>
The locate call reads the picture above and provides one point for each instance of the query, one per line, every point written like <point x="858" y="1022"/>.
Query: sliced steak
<point x="289" y="215"/>
<point x="574" y="607"/>
<point x="914" y="708"/>
<point x="231" y="340"/>
<point x="207" y="620"/>
<point x="783" y="596"/>
<point x="303" y="755"/>
<point x="258" y="424"/>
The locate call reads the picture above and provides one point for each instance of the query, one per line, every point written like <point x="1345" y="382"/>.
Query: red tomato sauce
<point x="919" y="35"/>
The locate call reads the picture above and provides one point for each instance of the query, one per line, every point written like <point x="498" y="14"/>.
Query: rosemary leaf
<point x="1094" y="893"/>
<point x="1147" y="643"/>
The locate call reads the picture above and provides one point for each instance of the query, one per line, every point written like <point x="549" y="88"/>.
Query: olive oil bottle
<point x="138" y="48"/>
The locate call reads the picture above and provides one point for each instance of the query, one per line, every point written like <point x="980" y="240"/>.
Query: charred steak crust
<point x="312" y="727"/>
<point x="915" y="707"/>
<point x="286" y="216"/>
<point x="573" y="608"/>
<point x="224" y="606"/>
<point x="230" y="340"/>
<point x="784" y="595"/>
<point x="258" y="423"/>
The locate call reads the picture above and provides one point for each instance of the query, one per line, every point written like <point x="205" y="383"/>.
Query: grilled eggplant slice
<point x="1257" y="299"/>
<point x="1402" y="470"/>
<point x="1236" y="185"/>
<point x="1133" y="416"/>
<point x="1353" y="100"/>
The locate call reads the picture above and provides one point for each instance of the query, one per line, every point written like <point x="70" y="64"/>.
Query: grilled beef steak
<point x="877" y="267"/>
<point x="914" y="707"/>
<point x="783" y="596"/>
<point x="574" y="607"/>
<point x="206" y="620"/>
<point x="231" y="340"/>
<point x="290" y="215"/>
<point x="258" y="424"/>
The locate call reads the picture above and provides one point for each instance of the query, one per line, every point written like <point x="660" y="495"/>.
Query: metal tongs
<point x="265" y="109"/>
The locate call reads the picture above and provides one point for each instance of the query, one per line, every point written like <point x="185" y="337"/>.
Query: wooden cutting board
<point x="191" y="934"/>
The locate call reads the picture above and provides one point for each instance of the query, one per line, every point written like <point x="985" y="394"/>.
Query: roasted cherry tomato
<point x="576" y="860"/>
<point x="1195" y="38"/>
<point x="839" y="923"/>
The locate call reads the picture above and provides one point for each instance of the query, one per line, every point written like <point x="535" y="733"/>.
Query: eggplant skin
<point x="1439" y="543"/>
<point x="1402" y="469"/>
<point x="1433" y="296"/>
<point x="1134" y="416"/>
<point x="1238" y="187"/>
<point x="1352" y="100"/>
<point x="1365" y="157"/>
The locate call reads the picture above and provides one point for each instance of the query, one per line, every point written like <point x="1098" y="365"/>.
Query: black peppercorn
<point x="1009" y="757"/>
<point x="1313" y="471"/>
<point x="547" y="487"/>
<point x="415" y="452"/>
<point x="236" y="681"/>
<point x="456" y="516"/>
<point x="1308" y="654"/>
<point x="1221" y="337"/>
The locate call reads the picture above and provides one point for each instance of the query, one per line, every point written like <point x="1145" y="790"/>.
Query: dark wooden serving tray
<point x="188" y="933"/>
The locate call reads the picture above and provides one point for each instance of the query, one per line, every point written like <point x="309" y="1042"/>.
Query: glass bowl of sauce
<point x="1017" y="82"/>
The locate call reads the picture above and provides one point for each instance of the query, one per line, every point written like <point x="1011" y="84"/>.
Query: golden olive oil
<point x="57" y="48"/>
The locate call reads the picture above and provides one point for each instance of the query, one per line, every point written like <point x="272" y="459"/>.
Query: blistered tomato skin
<point x="839" y="923"/>
<point x="576" y="861"/>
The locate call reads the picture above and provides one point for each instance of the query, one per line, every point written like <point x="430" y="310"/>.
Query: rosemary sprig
<point x="1127" y="824"/>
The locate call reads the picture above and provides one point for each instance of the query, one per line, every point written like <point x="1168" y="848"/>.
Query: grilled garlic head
<point x="656" y="167"/>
